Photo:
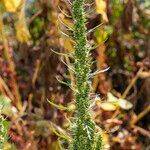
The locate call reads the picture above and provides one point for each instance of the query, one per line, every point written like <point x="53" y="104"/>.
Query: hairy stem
<point x="84" y="131"/>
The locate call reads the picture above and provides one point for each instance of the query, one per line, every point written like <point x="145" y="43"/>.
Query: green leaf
<point x="9" y="146"/>
<point x="4" y="127"/>
<point x="5" y="105"/>
<point x="61" y="107"/>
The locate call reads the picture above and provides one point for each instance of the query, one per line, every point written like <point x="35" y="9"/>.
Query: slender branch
<point x="141" y="115"/>
<point x="33" y="17"/>
<point x="131" y="83"/>
<point x="35" y="74"/>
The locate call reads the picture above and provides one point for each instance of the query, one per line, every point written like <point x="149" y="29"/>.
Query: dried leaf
<point x="112" y="98"/>
<point x="108" y="106"/>
<point x="22" y="31"/>
<point x="101" y="9"/>
<point x="124" y="104"/>
<point x="101" y="35"/>
<point x="12" y="5"/>
<point x="68" y="45"/>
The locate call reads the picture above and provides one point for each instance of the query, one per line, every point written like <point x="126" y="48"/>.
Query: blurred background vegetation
<point x="30" y="30"/>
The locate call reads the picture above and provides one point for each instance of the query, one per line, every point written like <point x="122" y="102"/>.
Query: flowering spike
<point x="84" y="131"/>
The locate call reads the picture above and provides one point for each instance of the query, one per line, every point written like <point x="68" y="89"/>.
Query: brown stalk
<point x="11" y="65"/>
<point x="35" y="75"/>
<point x="5" y="87"/>
<point x="141" y="115"/>
<point x="132" y="83"/>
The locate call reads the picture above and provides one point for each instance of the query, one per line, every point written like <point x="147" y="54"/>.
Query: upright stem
<point x="11" y="66"/>
<point x="84" y="131"/>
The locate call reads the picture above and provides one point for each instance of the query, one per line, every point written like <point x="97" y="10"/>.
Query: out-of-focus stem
<point x="141" y="115"/>
<point x="11" y="66"/>
<point x="5" y="87"/>
<point x="131" y="83"/>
